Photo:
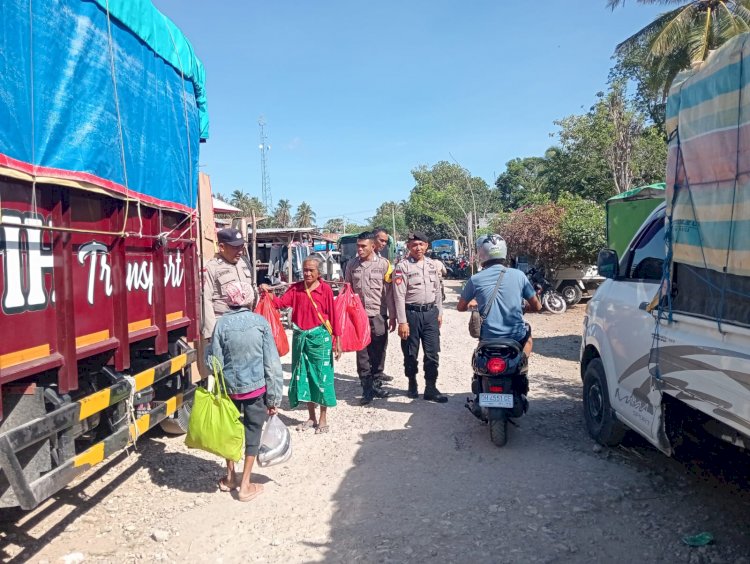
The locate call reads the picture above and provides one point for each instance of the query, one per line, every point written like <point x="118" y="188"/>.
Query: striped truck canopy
<point x="708" y="183"/>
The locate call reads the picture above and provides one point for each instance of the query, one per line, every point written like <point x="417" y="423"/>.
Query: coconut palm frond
<point x="675" y="32"/>
<point x="699" y="37"/>
<point x="647" y="34"/>
<point x="727" y="24"/>
<point x="741" y="11"/>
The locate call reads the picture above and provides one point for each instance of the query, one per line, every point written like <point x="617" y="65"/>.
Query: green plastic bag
<point x="215" y="424"/>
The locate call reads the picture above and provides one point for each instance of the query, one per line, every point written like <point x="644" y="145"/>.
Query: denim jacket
<point x="243" y="344"/>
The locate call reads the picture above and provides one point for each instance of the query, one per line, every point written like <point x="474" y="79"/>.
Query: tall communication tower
<point x="266" y="178"/>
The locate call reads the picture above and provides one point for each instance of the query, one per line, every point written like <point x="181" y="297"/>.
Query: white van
<point x="664" y="378"/>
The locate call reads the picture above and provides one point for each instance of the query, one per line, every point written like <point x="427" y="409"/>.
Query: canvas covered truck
<point x="102" y="111"/>
<point x="666" y="338"/>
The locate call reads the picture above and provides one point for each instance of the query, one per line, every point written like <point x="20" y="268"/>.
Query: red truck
<point x="102" y="112"/>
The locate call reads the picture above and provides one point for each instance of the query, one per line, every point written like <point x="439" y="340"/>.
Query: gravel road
<point x="406" y="480"/>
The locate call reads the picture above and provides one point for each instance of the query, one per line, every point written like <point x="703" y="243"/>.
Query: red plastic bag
<point x="266" y="309"/>
<point x="352" y="321"/>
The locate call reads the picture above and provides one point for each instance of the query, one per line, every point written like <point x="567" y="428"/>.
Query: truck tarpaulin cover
<point x="110" y="100"/>
<point x="708" y="184"/>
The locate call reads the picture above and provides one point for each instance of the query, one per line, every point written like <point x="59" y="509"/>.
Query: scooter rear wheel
<point x="499" y="431"/>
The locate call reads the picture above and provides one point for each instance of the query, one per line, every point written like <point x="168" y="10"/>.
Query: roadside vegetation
<point x="551" y="206"/>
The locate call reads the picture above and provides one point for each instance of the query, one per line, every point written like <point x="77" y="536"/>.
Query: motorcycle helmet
<point x="491" y="247"/>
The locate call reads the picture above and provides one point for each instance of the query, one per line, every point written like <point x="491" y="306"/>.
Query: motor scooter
<point x="500" y="385"/>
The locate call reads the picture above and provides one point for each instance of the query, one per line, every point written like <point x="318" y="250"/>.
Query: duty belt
<point x="419" y="307"/>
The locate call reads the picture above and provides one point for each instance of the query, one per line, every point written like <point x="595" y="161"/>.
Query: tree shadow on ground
<point x="565" y="347"/>
<point x="438" y="488"/>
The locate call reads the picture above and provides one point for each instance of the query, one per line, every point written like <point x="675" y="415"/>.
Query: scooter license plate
<point x="496" y="400"/>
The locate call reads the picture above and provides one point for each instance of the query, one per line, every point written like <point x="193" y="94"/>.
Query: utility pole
<point x="265" y="176"/>
<point x="393" y="218"/>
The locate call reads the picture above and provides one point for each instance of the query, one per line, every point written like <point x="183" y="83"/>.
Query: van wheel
<point x="601" y="423"/>
<point x="571" y="293"/>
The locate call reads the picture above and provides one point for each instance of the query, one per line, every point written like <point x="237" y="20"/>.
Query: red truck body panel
<point x="89" y="289"/>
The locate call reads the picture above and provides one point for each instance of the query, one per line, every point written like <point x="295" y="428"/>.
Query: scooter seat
<point x="500" y="342"/>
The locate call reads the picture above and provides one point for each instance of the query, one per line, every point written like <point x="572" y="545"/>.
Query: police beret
<point x="417" y="236"/>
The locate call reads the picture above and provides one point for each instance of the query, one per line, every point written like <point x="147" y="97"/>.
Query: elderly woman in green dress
<point x="315" y="327"/>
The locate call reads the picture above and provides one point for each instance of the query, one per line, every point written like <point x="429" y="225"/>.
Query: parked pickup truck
<point x="666" y="338"/>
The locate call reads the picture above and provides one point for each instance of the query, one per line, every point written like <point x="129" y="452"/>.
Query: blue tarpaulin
<point x="112" y="101"/>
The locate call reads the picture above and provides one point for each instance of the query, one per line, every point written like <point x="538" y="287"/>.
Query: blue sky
<point x="355" y="95"/>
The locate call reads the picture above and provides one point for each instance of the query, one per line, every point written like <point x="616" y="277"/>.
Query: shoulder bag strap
<point x="490" y="303"/>
<point x="323" y="320"/>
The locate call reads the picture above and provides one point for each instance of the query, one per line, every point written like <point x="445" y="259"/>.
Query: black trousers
<point x="254" y="415"/>
<point x="371" y="359"/>
<point x="423" y="327"/>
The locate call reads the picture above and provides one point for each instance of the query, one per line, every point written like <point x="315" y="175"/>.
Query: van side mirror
<point x="608" y="263"/>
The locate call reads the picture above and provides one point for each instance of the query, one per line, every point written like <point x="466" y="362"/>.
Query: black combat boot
<point x="413" y="392"/>
<point x="368" y="391"/>
<point x="378" y="391"/>
<point x="431" y="393"/>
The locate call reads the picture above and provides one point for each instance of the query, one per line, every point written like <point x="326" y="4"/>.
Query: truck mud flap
<point x="30" y="494"/>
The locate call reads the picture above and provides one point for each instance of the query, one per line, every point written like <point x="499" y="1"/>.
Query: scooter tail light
<point x="496" y="365"/>
<point x="496" y="389"/>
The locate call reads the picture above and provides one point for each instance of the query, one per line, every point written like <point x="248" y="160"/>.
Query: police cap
<point x="231" y="237"/>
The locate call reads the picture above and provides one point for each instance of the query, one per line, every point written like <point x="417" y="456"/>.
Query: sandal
<point x="321" y="429"/>
<point x="257" y="490"/>
<point x="223" y="487"/>
<point x="307" y="425"/>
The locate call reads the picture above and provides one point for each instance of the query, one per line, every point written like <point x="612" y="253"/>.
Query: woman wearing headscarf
<point x="244" y="348"/>
<point x="314" y="323"/>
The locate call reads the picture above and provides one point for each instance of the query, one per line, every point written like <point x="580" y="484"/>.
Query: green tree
<point x="385" y="215"/>
<point x="569" y="232"/>
<point x="523" y="181"/>
<point x="673" y="41"/>
<point x="343" y="225"/>
<point x="582" y="230"/>
<point x="305" y="216"/>
<point x="282" y="214"/>
<point x="443" y="197"/>
<point x="247" y="203"/>
<point x="607" y="150"/>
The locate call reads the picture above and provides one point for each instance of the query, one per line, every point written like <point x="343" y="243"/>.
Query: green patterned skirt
<point x="312" y="367"/>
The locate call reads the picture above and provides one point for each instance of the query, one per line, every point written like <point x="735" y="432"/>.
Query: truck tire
<point x="499" y="431"/>
<point x="177" y="425"/>
<point x="601" y="422"/>
<point x="571" y="293"/>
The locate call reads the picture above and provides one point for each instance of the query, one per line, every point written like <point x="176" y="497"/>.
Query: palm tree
<point x="282" y="215"/>
<point x="684" y="35"/>
<point x="305" y="216"/>
<point x="247" y="203"/>
<point x="238" y="199"/>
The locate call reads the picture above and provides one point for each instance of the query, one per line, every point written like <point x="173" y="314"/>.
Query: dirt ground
<point x="405" y="480"/>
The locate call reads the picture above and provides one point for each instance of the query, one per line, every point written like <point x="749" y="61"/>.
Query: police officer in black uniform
<point x="419" y="311"/>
